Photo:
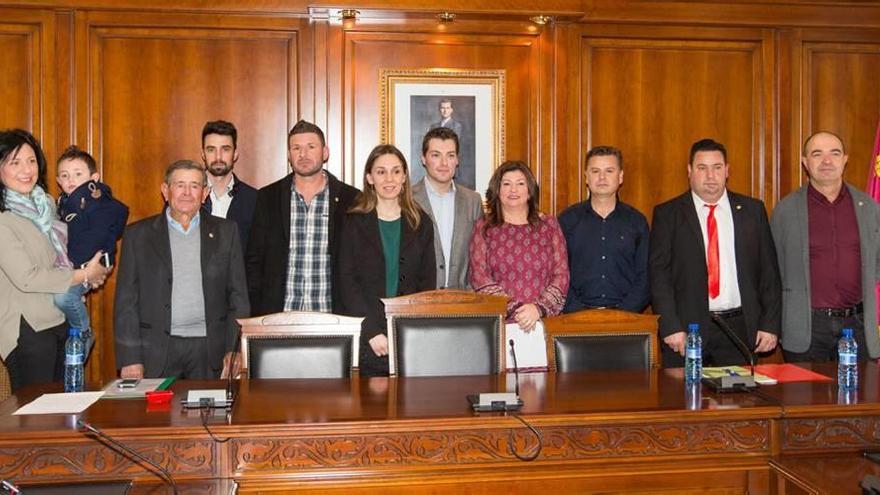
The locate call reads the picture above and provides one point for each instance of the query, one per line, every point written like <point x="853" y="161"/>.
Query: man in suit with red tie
<point x="713" y="260"/>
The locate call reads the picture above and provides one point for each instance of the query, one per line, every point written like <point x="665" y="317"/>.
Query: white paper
<point x="69" y="403"/>
<point x="531" y="348"/>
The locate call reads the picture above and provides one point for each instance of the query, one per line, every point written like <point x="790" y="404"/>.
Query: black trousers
<point x="38" y="357"/>
<point x="188" y="359"/>
<point x="718" y="349"/>
<point x="369" y="364"/>
<point x="826" y="331"/>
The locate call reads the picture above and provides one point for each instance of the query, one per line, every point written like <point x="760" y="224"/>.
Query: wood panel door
<point x="839" y="91"/>
<point x="652" y="92"/>
<point x="27" y="81"/>
<point x="149" y="82"/>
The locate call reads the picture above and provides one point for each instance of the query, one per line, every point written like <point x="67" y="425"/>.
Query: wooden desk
<point x="835" y="474"/>
<point x="609" y="432"/>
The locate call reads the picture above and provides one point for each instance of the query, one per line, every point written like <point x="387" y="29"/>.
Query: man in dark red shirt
<point x="826" y="236"/>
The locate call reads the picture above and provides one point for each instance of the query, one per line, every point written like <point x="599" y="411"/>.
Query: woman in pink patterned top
<point x="517" y="251"/>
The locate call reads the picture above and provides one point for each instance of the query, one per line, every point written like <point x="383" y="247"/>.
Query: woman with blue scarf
<point x="33" y="266"/>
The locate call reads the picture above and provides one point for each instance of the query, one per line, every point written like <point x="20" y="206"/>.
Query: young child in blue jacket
<point x="95" y="221"/>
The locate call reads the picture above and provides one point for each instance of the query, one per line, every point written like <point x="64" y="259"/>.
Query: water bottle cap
<point x="847" y="332"/>
<point x="693" y="327"/>
<point x="74" y="332"/>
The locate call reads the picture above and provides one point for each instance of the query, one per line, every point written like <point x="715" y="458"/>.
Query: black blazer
<point x="269" y="242"/>
<point x="361" y="276"/>
<point x="241" y="210"/>
<point x="142" y="308"/>
<point x="679" y="288"/>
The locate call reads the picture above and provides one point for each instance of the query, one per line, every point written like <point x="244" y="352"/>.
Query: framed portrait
<point x="471" y="103"/>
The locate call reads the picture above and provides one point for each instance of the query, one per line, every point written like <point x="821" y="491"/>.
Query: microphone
<point x="734" y="382"/>
<point x="130" y="453"/>
<point x="230" y="394"/>
<point x="215" y="398"/>
<point x="515" y="369"/>
<point x="499" y="401"/>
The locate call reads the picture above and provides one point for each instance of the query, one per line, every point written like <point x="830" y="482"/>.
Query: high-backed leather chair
<point x="446" y="332"/>
<point x="602" y="339"/>
<point x="299" y="344"/>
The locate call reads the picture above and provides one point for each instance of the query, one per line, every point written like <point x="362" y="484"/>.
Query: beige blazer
<point x="468" y="209"/>
<point x="28" y="279"/>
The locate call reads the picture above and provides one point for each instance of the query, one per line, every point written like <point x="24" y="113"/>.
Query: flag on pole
<point x="874" y="190"/>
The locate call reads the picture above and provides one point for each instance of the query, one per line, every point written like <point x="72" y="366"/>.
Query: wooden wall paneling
<point x="317" y="77"/>
<point x="841" y="93"/>
<point x="767" y="85"/>
<point x="788" y="130"/>
<point x="300" y="7"/>
<point x="543" y="156"/>
<point x="572" y="84"/>
<point x="511" y="46"/>
<point x="148" y="83"/>
<point x="65" y="81"/>
<point x="27" y="83"/>
<point x="760" y="13"/>
<point x="653" y="91"/>
<point x="331" y="48"/>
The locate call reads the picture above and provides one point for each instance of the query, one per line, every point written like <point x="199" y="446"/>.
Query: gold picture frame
<point x="414" y="100"/>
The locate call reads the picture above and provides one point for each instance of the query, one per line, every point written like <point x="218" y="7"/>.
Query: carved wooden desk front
<point x="609" y="432"/>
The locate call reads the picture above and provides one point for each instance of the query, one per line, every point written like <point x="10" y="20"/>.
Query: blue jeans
<point x="71" y="304"/>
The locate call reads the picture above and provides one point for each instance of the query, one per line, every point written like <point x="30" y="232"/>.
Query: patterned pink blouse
<point x="527" y="263"/>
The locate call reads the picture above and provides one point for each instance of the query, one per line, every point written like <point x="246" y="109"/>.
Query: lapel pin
<point x="861" y="203"/>
<point x="211" y="235"/>
<point x="739" y="207"/>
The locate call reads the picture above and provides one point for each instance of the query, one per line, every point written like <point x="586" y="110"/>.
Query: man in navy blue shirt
<point x="607" y="242"/>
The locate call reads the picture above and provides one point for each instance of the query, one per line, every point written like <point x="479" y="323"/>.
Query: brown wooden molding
<point x="183" y="458"/>
<point x="449" y="302"/>
<point x="491" y="445"/>
<point x="845" y="433"/>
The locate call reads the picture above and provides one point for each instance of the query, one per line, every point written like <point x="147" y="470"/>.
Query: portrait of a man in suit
<point x="446" y="118"/>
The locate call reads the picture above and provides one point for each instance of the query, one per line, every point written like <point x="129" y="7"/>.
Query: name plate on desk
<point x="495" y="401"/>
<point x="215" y="397"/>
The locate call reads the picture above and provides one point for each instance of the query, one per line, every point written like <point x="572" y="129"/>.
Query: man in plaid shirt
<point x="293" y="241"/>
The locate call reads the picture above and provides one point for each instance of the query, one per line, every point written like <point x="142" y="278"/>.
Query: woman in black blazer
<point x="386" y="250"/>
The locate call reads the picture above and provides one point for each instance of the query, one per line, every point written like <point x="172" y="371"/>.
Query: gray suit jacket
<point x="468" y="209"/>
<point x="142" y="319"/>
<point x="452" y="124"/>
<point x="791" y="233"/>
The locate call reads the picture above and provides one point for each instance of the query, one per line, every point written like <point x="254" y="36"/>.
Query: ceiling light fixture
<point x="541" y="19"/>
<point x="348" y="14"/>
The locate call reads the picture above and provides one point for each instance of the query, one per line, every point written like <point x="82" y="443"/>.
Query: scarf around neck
<point x="38" y="208"/>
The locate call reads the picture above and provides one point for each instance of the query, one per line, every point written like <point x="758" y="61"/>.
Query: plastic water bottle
<point x="693" y="355"/>
<point x="847" y="362"/>
<point x="74" y="351"/>
<point x="693" y="396"/>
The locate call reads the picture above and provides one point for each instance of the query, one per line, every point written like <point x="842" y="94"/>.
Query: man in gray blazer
<point x="826" y="236"/>
<point x="453" y="208"/>
<point x="181" y="286"/>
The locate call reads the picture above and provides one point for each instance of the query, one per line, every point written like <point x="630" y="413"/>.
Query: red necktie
<point x="712" y="254"/>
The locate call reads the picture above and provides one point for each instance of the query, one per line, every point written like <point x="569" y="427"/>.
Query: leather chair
<point x="446" y="332"/>
<point x="299" y="344"/>
<point x="602" y="339"/>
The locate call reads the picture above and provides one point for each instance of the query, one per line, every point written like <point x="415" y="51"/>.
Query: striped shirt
<point x="308" y="265"/>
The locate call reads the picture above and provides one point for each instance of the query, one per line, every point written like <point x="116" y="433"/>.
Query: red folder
<point x="790" y="373"/>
